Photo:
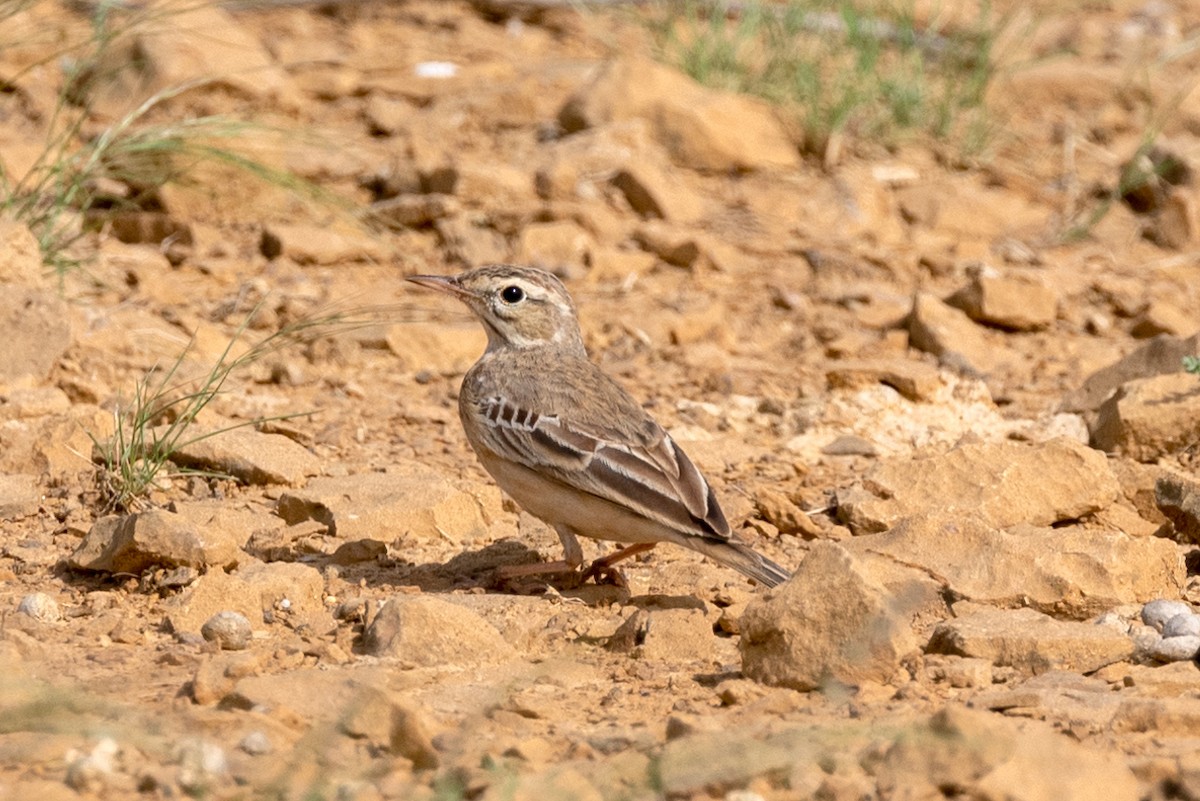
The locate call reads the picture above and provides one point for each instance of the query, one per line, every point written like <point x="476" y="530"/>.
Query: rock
<point x="713" y="763"/>
<point x="229" y="630"/>
<point x="1176" y="649"/>
<point x="1030" y="641"/>
<point x="1013" y="304"/>
<point x="19" y="496"/>
<point x="949" y="334"/>
<point x="256" y="743"/>
<point x="206" y="45"/>
<point x="227" y="528"/>
<point x="669" y="635"/>
<point x="778" y="510"/>
<point x="36" y="331"/>
<point x="1179" y="501"/>
<point x="39" y="606"/>
<point x="986" y="756"/>
<point x="1187" y="624"/>
<point x="312" y="244"/>
<point x="685" y="248"/>
<point x="217" y="676"/>
<point x="211" y="593"/>
<point x="831" y="620"/>
<point x="94" y="770"/>
<point x="142" y="227"/>
<point x="202" y="766"/>
<point x="1175" y="224"/>
<point x="20" y="256"/>
<point x="702" y="129"/>
<point x="1164" y="717"/>
<point x="390" y="724"/>
<point x="469" y="242"/>
<point x="414" y="502"/>
<point x="426" y="632"/>
<point x="414" y="211"/>
<point x="135" y="543"/>
<point x="1163" y="317"/>
<point x="248" y="455"/>
<point x="561" y="247"/>
<point x="1156" y="613"/>
<point x="1001" y="483"/>
<point x="294" y="588"/>
<point x="916" y="381"/>
<point x="1068" y="571"/>
<point x="1163" y="354"/>
<point x="655" y="193"/>
<point x="559" y="783"/>
<point x="1149" y="418"/>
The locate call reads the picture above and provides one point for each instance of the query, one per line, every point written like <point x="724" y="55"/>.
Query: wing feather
<point x="650" y="475"/>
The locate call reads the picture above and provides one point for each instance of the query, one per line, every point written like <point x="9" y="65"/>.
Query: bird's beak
<point x="442" y="283"/>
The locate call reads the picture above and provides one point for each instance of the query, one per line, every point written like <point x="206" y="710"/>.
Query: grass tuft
<point x="840" y="71"/>
<point x="158" y="420"/>
<point x="69" y="176"/>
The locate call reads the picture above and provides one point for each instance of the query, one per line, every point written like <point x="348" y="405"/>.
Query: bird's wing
<point x="646" y="472"/>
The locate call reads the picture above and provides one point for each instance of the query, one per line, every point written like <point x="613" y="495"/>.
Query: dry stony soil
<point x="946" y="389"/>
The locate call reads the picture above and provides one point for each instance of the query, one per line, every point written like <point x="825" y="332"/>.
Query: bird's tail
<point x="743" y="559"/>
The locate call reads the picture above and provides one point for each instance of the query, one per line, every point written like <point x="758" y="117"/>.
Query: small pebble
<point x="1157" y="613"/>
<point x="39" y="606"/>
<point x="1183" y="625"/>
<point x="256" y="743"/>
<point x="1176" y="649"/>
<point x="230" y="630"/>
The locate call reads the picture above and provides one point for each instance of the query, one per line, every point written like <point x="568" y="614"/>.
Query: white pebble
<point x="201" y="764"/>
<point x="1183" y="625"/>
<point x="1176" y="649"/>
<point x="39" y="606"/>
<point x="90" y="772"/>
<point x="256" y="743"/>
<point x="230" y="630"/>
<point x="1157" y="613"/>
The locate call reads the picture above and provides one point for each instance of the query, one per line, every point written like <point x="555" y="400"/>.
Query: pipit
<point x="567" y="443"/>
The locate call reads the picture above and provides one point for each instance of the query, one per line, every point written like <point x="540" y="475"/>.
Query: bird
<point x="568" y="443"/>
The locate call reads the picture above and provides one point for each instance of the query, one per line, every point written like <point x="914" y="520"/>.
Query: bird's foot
<point x="602" y="572"/>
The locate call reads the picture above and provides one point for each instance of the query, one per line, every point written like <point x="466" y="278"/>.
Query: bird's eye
<point x="512" y="294"/>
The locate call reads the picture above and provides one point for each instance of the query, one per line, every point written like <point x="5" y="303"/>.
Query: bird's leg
<point x="570" y="563"/>
<point x="602" y="568"/>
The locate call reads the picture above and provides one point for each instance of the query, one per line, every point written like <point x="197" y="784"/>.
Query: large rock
<point x="206" y="43"/>
<point x="1002" y="483"/>
<point x="427" y="632"/>
<point x="831" y="621"/>
<point x="1163" y="354"/>
<point x="985" y="756"/>
<point x="1031" y="642"/>
<point x="155" y="538"/>
<point x="1010" y="303"/>
<point x="20" y="256"/>
<point x="1150" y="417"/>
<point x="1069" y="571"/>
<point x="949" y="334"/>
<point x="248" y="455"/>
<point x="413" y="502"/>
<point x="704" y="129"/>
